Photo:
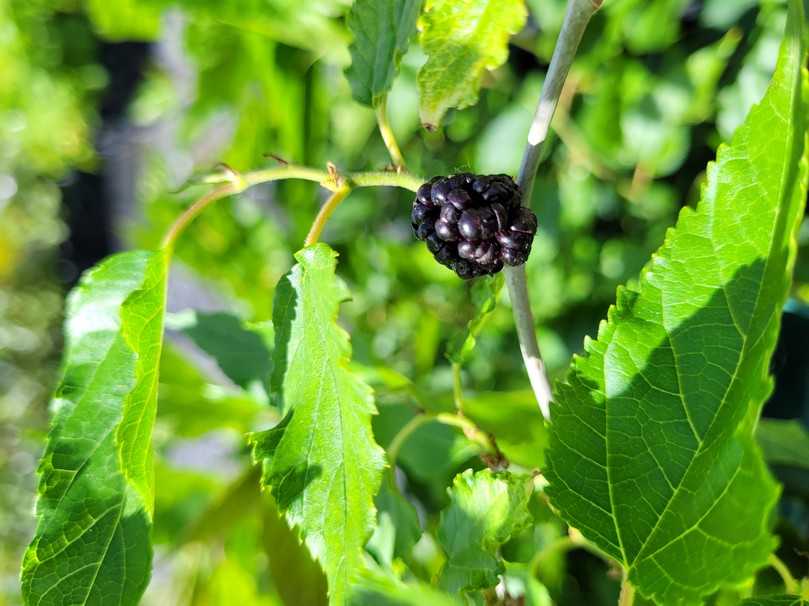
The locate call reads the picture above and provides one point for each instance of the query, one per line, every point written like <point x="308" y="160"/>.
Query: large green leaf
<point x="96" y="489"/>
<point x="485" y="509"/>
<point x="321" y="461"/>
<point x="652" y="455"/>
<point x="382" y="31"/>
<point x="462" y="39"/>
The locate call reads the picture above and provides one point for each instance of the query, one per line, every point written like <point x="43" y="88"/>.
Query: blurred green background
<point x="110" y="109"/>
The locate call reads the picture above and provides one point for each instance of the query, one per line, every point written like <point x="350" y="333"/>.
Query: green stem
<point x="385" y="179"/>
<point x="457" y="387"/>
<point x="790" y="582"/>
<point x="191" y="213"/>
<point x="405" y="432"/>
<point x="326" y="179"/>
<point x="387" y="135"/>
<point x="470" y="430"/>
<point x="233" y="183"/>
<point x="323" y="216"/>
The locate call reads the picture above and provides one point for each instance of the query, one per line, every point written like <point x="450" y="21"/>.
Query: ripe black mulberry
<point x="474" y="224"/>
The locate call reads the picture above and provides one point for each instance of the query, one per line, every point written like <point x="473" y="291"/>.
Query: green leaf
<point x="124" y="19"/>
<point x="652" y="455"/>
<point x="776" y="600"/>
<point x="295" y="576"/>
<point x="514" y="420"/>
<point x="235" y="502"/>
<point x="784" y="442"/>
<point x="190" y="405"/>
<point x="462" y="40"/>
<point x="398" y="528"/>
<point x="321" y="461"/>
<point x="484" y="298"/>
<point x="96" y="489"/>
<point x="241" y="350"/>
<point x="376" y="588"/>
<point x="485" y="509"/>
<point x="382" y="31"/>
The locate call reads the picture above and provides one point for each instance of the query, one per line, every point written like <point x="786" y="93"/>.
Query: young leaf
<point x="484" y="297"/>
<point x="96" y="489"/>
<point x="486" y="508"/>
<point x="382" y="31"/>
<point x="652" y="455"/>
<point x="321" y="461"/>
<point x="462" y="40"/>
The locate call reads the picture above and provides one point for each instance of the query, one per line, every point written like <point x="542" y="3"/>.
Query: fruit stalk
<point x="577" y="17"/>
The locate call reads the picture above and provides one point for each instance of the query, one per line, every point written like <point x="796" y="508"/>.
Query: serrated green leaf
<point x="784" y="442"/>
<point x="652" y="455"/>
<point x="776" y="600"/>
<point x="485" y="509"/>
<point x="382" y="31"/>
<point x="377" y="588"/>
<point x="462" y="40"/>
<point x="484" y="298"/>
<point x="321" y="461"/>
<point x="96" y="489"/>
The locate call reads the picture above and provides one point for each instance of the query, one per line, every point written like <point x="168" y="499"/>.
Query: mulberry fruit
<point x="474" y="224"/>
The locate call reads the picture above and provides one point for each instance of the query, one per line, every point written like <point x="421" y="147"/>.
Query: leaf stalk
<point x="387" y="134"/>
<point x="323" y="216"/>
<point x="627" y="595"/>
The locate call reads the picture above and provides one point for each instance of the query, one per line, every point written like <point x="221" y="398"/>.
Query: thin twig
<point x="576" y="19"/>
<point x="457" y="387"/>
<point x="405" y="432"/>
<point x="387" y="135"/>
<point x="790" y="583"/>
<point x="325" y="212"/>
<point x="232" y="182"/>
<point x="323" y="216"/>
<point x="194" y="210"/>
